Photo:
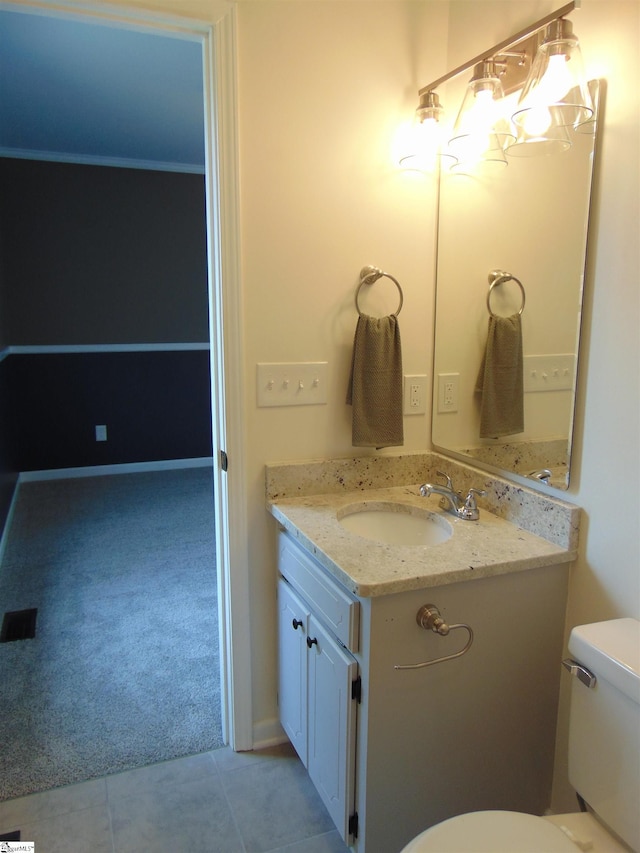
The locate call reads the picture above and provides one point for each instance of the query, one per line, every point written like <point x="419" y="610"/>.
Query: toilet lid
<point x="492" y="832"/>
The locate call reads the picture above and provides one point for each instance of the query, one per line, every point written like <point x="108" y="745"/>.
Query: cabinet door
<point x="293" y="623"/>
<point x="332" y="724"/>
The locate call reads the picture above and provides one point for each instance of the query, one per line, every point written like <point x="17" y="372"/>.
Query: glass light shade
<point x="425" y="150"/>
<point x="549" y="138"/>
<point x="485" y="163"/>
<point x="588" y="127"/>
<point x="555" y="92"/>
<point x="481" y="128"/>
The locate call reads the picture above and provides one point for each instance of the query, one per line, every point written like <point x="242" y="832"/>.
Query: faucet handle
<point x="470" y="509"/>
<point x="447" y="478"/>
<point x="474" y="492"/>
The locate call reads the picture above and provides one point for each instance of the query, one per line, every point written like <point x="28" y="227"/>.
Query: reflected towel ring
<point x="500" y="277"/>
<point x="368" y="275"/>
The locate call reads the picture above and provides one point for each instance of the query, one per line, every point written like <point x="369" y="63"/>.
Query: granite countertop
<point x="476" y="549"/>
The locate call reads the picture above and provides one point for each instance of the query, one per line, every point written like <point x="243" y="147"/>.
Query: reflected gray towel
<point x="500" y="379"/>
<point x="375" y="383"/>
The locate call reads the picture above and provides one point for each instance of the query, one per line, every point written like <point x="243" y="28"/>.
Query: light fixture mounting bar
<point x="501" y="46"/>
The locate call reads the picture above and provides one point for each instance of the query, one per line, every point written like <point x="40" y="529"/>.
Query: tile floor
<point x="217" y="802"/>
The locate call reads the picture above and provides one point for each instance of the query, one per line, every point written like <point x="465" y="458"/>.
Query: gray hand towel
<point x="500" y="379"/>
<point x="375" y="383"/>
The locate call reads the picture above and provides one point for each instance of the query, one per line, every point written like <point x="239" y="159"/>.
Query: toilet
<point x="604" y="762"/>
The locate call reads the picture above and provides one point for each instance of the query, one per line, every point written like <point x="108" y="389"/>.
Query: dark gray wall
<point x="102" y="255"/>
<point x="156" y="405"/>
<point x="97" y="256"/>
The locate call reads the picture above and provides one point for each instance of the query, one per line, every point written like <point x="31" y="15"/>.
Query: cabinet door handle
<point x="297" y="623"/>
<point x="312" y="642"/>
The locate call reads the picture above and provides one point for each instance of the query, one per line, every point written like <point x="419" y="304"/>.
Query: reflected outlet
<point x="448" y="384"/>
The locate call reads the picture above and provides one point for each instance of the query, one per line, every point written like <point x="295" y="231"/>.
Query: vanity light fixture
<point x="554" y="97"/>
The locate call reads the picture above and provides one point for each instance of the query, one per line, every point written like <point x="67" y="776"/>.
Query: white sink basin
<point x="395" y="524"/>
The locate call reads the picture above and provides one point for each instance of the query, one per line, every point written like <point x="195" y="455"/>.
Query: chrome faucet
<point x="452" y="501"/>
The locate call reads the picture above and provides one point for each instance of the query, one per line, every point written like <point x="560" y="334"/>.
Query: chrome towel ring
<point x="497" y="277"/>
<point x="370" y="274"/>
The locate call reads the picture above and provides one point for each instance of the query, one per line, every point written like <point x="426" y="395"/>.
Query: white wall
<point x="323" y="88"/>
<point x="605" y="580"/>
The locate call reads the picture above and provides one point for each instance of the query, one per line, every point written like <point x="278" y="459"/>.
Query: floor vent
<point x="19" y="625"/>
<point x="10" y="836"/>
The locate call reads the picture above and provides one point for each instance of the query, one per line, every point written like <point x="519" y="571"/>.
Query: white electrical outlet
<point x="448" y="384"/>
<point x="101" y="432"/>
<point x="415" y="395"/>
<point x="292" y="384"/>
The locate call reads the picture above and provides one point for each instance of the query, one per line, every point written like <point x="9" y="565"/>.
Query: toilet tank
<point x="604" y="730"/>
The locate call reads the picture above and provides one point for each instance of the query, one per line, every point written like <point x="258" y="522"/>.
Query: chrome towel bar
<point x="429" y="618"/>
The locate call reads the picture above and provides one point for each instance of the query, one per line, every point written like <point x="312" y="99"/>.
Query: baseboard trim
<point x="119" y="468"/>
<point x="268" y="733"/>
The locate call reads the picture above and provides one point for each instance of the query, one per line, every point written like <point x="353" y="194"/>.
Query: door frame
<point x="213" y="24"/>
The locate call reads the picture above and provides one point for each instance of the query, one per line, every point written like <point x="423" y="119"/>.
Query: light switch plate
<point x="292" y="383"/>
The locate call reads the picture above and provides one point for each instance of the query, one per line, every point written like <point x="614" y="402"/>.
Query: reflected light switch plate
<point x="549" y="372"/>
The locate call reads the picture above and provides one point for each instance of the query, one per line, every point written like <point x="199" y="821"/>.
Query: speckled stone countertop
<point x="530" y="530"/>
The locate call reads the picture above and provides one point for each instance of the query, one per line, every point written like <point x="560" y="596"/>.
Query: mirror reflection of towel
<point x="500" y="379"/>
<point x="375" y="383"/>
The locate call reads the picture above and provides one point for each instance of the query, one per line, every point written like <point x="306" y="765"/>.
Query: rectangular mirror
<point x="528" y="219"/>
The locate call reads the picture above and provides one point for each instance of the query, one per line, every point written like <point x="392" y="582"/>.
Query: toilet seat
<point x="492" y="832"/>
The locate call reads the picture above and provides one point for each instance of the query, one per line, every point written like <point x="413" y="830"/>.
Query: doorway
<point x="220" y="192"/>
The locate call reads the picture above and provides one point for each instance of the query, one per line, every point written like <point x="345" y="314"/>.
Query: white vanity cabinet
<point x="293" y="630"/>
<point x="476" y="732"/>
<point x="318" y="687"/>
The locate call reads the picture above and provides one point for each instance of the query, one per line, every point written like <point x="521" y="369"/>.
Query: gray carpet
<point x="123" y="671"/>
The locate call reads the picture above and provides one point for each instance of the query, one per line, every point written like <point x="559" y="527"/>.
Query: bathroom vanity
<point x="393" y="751"/>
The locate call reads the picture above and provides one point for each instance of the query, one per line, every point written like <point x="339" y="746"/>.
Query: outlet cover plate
<point x="415" y="394"/>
